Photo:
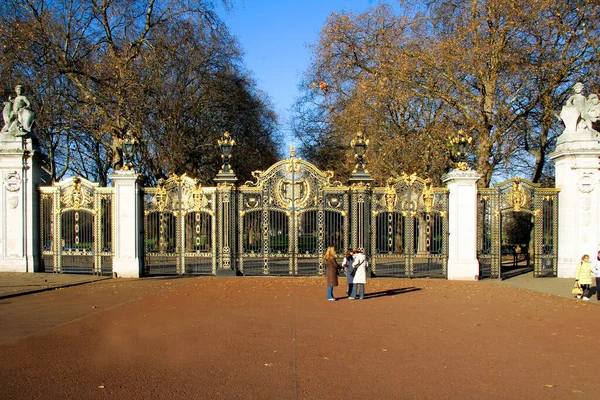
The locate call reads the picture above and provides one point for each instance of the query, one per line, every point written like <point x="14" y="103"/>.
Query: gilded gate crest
<point x="517" y="196"/>
<point x="290" y="193"/>
<point x="78" y="193"/>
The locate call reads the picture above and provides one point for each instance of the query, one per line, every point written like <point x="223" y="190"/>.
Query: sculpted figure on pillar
<point x="17" y="113"/>
<point x="580" y="112"/>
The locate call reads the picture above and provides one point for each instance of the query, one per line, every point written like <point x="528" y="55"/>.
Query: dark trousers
<point x="586" y="290"/>
<point x="597" y="287"/>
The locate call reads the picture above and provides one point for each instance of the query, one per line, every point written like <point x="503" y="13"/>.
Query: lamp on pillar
<point x="128" y="147"/>
<point x="360" y="173"/>
<point x="226" y="174"/>
<point x="461" y="142"/>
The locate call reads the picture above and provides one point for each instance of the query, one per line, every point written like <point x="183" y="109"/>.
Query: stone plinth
<point x="20" y="172"/>
<point x="128" y="228"/>
<point x="462" y="225"/>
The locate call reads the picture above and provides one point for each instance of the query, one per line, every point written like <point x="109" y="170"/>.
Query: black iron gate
<point x="410" y="229"/>
<point x="76" y="227"/>
<point x="517" y="226"/>
<point x="287" y="219"/>
<point x="179" y="228"/>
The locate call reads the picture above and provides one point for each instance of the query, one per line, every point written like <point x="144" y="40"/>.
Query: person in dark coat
<point x="347" y="263"/>
<point x="332" y="272"/>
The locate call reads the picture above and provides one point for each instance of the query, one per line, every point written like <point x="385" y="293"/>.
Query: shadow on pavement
<point x="391" y="292"/>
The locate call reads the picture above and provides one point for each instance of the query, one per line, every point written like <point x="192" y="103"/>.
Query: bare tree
<point x="497" y="70"/>
<point x="156" y="70"/>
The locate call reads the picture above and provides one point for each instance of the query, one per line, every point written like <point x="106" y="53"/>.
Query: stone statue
<point x="18" y="116"/>
<point x="580" y="113"/>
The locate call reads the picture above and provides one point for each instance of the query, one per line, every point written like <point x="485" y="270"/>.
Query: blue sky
<point x="274" y="35"/>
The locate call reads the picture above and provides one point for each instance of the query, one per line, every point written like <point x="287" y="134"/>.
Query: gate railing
<point x="179" y="228"/>
<point x="409" y="228"/>
<point x="76" y="227"/>
<point x="517" y="205"/>
<point x="288" y="217"/>
<point x="546" y="232"/>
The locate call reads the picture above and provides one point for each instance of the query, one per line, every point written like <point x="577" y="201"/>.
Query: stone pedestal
<point x="462" y="225"/>
<point x="577" y="176"/>
<point x="127" y="262"/>
<point x="20" y="171"/>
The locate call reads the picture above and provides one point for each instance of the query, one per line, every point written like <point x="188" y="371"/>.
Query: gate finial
<point x="226" y="174"/>
<point x="292" y="151"/>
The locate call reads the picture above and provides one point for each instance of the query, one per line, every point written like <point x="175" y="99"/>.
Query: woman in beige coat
<point x="583" y="275"/>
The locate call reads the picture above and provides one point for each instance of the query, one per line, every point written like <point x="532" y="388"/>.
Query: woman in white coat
<point x="360" y="277"/>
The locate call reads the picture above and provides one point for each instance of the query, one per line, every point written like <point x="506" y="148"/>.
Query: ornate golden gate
<point x="179" y="228"/>
<point x="76" y="227"/>
<point x="410" y="228"/>
<point x="507" y="213"/>
<point x="288" y="217"/>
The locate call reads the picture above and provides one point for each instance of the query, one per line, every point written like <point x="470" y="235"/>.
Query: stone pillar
<point x="128" y="234"/>
<point x="578" y="179"/>
<point x="577" y="160"/>
<point x="20" y="168"/>
<point x="462" y="225"/>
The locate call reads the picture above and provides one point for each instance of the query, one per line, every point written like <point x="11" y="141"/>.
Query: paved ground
<point x="277" y="338"/>
<point x="551" y="286"/>
<point x="17" y="283"/>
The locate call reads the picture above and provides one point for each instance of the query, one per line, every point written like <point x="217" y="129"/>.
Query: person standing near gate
<point x="360" y="276"/>
<point x="583" y="275"/>
<point x="596" y="272"/>
<point x="347" y="263"/>
<point x="332" y="272"/>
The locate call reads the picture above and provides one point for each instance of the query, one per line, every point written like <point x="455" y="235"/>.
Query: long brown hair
<point x="348" y="253"/>
<point x="330" y="253"/>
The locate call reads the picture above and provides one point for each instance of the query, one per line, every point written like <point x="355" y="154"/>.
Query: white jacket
<point x="361" y="272"/>
<point x="596" y="268"/>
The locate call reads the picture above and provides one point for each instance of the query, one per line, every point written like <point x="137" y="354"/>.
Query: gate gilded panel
<point x="179" y="228"/>
<point x="77" y="227"/>
<point x="410" y="228"/>
<point x="288" y="217"/>
<point x="517" y="229"/>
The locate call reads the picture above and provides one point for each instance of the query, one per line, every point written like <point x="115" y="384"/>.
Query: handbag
<point x="577" y="289"/>
<point x="353" y="272"/>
